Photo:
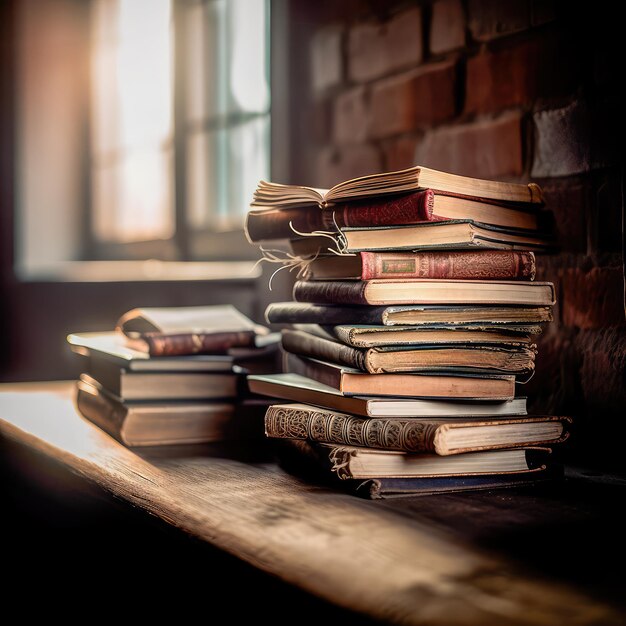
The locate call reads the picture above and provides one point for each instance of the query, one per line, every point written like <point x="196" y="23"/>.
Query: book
<point x="173" y="331"/>
<point x="464" y="265"/>
<point x="310" y="461"/>
<point x="420" y="206"/>
<point x="384" y="488"/>
<point x="111" y="346"/>
<point x="418" y="291"/>
<point x="348" y="462"/>
<point x="363" y="336"/>
<point x="157" y="423"/>
<point x="268" y="194"/>
<point x="458" y="234"/>
<point x="142" y="385"/>
<point x="352" y="382"/>
<point x="413" y="358"/>
<point x="436" y="436"/>
<point x="471" y="317"/>
<point x="304" y="390"/>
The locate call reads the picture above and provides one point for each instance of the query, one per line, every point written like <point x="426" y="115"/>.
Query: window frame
<point x="189" y="243"/>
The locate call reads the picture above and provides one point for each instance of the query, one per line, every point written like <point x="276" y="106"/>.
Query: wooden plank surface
<point x="357" y="554"/>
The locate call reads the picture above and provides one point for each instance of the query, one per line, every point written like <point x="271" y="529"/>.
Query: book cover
<point x="173" y="331"/>
<point x="299" y="389"/>
<point x="413" y="358"/>
<point x="437" y="436"/>
<point x="475" y="317"/>
<point x="352" y="382"/>
<point x="418" y="291"/>
<point x="159" y="422"/>
<point x="464" y="265"/>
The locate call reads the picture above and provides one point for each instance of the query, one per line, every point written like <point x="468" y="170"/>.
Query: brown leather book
<point x="188" y="330"/>
<point x="425" y="291"/>
<point x="393" y="360"/>
<point x="442" y="436"/>
<point x="458" y="265"/>
<point x="352" y="382"/>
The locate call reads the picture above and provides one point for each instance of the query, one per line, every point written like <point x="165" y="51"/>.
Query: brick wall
<point x="518" y="90"/>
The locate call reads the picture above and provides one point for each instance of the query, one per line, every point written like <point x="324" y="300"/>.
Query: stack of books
<point x="415" y="313"/>
<point x="174" y="375"/>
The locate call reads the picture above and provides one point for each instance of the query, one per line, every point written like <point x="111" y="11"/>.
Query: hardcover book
<point x="437" y="436"/>
<point x="458" y="234"/>
<point x="363" y="336"/>
<point x="351" y="462"/>
<point x="474" y="317"/>
<point x="270" y="194"/>
<point x="304" y="390"/>
<point x="424" y="358"/>
<point x="352" y="382"/>
<point x="420" y="206"/>
<point x="188" y="330"/>
<point x="463" y="265"/>
<point x="159" y="423"/>
<point x="112" y="347"/>
<point x="418" y="291"/>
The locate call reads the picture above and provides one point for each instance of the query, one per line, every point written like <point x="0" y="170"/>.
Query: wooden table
<point x="473" y="558"/>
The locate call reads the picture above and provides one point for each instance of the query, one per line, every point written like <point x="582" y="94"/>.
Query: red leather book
<point x="465" y="265"/>
<point x="287" y="222"/>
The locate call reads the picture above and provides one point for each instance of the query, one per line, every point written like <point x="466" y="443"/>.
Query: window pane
<point x="141" y="184"/>
<point x="248" y="162"/>
<point x="249" y="87"/>
<point x="132" y="120"/>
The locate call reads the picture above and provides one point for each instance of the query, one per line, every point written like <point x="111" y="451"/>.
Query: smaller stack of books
<point x="174" y="375"/>
<point x="415" y="314"/>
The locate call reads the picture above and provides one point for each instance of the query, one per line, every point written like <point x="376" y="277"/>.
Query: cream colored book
<point x="270" y="194"/>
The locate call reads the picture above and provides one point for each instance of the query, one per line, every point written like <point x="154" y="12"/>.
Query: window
<point x="180" y="120"/>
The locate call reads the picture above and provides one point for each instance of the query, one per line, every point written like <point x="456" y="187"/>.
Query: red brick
<point x="376" y="49"/>
<point x="490" y="19"/>
<point x="400" y="153"/>
<point x="514" y="76"/>
<point x="413" y="100"/>
<point x="488" y="149"/>
<point x="322" y="120"/>
<point x="447" y="26"/>
<point x="335" y="165"/>
<point x="327" y="58"/>
<point x="351" y="116"/>
<point x="569" y="202"/>
<point x="593" y="299"/>
<point x="562" y="141"/>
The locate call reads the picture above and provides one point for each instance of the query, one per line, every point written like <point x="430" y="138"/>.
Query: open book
<point x="270" y="194"/>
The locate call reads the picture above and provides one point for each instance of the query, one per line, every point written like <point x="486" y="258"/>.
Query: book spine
<point x="329" y="292"/>
<point x="295" y="312"/>
<point x="400" y="210"/>
<point x="315" y="370"/>
<point x="470" y="265"/>
<point x="106" y="415"/>
<point x="298" y="342"/>
<point x="283" y="223"/>
<point x="287" y="422"/>
<point x="197" y="343"/>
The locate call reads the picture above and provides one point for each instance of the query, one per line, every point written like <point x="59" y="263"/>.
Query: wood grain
<point x="354" y="553"/>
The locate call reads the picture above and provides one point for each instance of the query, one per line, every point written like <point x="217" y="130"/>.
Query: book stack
<point x="174" y="375"/>
<point x="415" y="314"/>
